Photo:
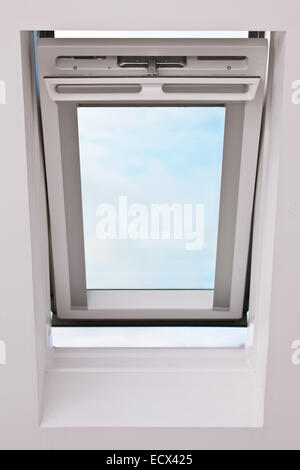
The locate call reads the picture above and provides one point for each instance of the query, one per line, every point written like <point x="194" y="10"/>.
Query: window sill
<point x="183" y="388"/>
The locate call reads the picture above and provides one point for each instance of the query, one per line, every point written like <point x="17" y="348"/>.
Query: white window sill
<point x="183" y="388"/>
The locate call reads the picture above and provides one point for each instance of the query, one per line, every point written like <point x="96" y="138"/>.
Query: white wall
<point x="24" y="299"/>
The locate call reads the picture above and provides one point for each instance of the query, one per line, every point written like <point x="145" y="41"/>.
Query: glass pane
<point x="151" y="179"/>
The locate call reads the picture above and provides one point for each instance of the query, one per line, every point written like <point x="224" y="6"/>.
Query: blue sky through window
<point x="150" y="155"/>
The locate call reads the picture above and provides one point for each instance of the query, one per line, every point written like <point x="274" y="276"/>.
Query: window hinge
<point x="152" y="67"/>
<point x="151" y="63"/>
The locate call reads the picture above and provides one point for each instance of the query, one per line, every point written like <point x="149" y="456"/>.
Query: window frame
<point x="60" y="126"/>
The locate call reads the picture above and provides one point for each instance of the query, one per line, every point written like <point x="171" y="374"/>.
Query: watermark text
<point x="2" y="353"/>
<point x="296" y="92"/>
<point x="296" y="353"/>
<point x="153" y="222"/>
<point x="2" y="92"/>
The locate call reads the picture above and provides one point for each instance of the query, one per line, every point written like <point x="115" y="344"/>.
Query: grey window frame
<point x="64" y="88"/>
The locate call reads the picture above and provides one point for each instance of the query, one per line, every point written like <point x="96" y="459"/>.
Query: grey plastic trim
<point x="208" y="89"/>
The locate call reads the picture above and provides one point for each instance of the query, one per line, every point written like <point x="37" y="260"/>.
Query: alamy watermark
<point x="2" y="92"/>
<point x="295" y="357"/>
<point x="152" y="222"/>
<point x="296" y="353"/>
<point x="2" y="353"/>
<point x="296" y="92"/>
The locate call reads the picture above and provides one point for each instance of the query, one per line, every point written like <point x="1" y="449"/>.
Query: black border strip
<point x="73" y="323"/>
<point x="256" y="34"/>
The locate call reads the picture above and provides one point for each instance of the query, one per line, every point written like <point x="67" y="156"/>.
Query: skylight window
<point x="151" y="149"/>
